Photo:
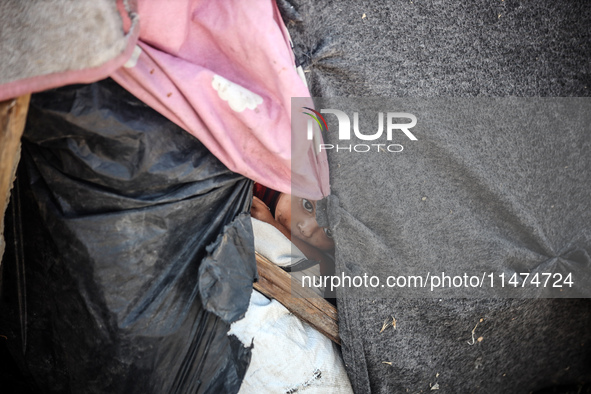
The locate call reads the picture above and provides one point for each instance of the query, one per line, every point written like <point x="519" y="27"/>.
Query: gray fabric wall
<point x="51" y="36"/>
<point x="429" y="49"/>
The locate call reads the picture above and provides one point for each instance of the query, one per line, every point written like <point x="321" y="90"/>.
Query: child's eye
<point x="308" y="206"/>
<point x="328" y="232"/>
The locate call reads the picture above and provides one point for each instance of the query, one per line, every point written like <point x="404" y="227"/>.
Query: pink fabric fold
<point x="224" y="71"/>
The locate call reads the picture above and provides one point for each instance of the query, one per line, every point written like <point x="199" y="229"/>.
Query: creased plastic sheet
<point x="138" y="251"/>
<point x="224" y="71"/>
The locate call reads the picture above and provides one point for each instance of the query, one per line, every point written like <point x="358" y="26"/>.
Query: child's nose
<point x="307" y="226"/>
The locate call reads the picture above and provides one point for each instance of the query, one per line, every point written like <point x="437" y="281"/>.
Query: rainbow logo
<point x="323" y="125"/>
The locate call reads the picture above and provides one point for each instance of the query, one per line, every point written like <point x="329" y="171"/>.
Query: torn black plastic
<point x="120" y="205"/>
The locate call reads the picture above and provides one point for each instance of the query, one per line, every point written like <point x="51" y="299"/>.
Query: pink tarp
<point x="224" y="71"/>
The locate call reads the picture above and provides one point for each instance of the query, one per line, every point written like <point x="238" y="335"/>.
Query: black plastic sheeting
<point x="134" y="251"/>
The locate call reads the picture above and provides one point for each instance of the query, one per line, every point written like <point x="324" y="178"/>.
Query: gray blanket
<point x="38" y="38"/>
<point x="510" y="198"/>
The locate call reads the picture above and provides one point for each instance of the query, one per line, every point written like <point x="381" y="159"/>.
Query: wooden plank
<point x="13" y="114"/>
<point x="275" y="283"/>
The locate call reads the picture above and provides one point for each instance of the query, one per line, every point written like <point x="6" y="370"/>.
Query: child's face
<point x="299" y="215"/>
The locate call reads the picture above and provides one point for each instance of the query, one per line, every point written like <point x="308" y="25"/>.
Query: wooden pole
<point x="13" y="114"/>
<point x="302" y="302"/>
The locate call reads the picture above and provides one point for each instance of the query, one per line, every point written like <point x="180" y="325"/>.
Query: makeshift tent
<point x="347" y="48"/>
